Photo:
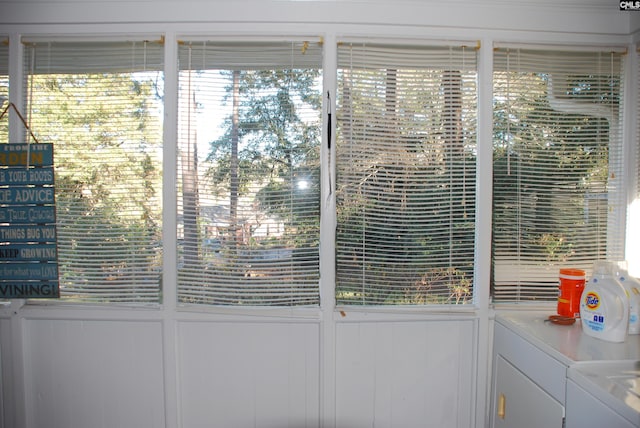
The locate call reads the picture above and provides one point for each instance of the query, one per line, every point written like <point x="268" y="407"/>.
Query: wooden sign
<point x="28" y="214"/>
<point x="23" y="176"/>
<point x="26" y="155"/>
<point x="28" y="233"/>
<point x="28" y="238"/>
<point x="26" y="195"/>
<point x="29" y="252"/>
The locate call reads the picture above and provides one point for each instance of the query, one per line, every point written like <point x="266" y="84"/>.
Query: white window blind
<point x="557" y="166"/>
<point x="4" y="94"/>
<point x="633" y="214"/>
<point x="99" y="103"/>
<point x="638" y="131"/>
<point x="249" y="173"/>
<point x="4" y="87"/>
<point x="406" y="170"/>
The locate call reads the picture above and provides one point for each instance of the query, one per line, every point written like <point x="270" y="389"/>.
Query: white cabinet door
<point x="520" y="403"/>
<point x="586" y="411"/>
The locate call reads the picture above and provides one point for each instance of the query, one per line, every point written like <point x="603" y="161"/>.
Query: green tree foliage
<point x="406" y="226"/>
<point x="536" y="207"/>
<point x="4" y="95"/>
<point x="255" y="239"/>
<point x="277" y="149"/>
<point x="108" y="179"/>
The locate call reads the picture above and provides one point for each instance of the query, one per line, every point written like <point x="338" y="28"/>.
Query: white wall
<point x="248" y="374"/>
<point x="405" y="374"/>
<point x="93" y="373"/>
<point x="79" y="370"/>
<point x="68" y="366"/>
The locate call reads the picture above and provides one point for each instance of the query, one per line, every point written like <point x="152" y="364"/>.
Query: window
<point x="99" y="103"/>
<point x="557" y="148"/>
<point x="249" y="173"/>
<point x="406" y="171"/>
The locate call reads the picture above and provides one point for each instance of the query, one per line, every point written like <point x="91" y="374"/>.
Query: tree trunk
<point x="235" y="226"/>
<point x="452" y="114"/>
<point x="454" y="157"/>
<point x="189" y="158"/>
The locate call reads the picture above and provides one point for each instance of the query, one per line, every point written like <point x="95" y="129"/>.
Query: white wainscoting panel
<point x="249" y="374"/>
<point x="93" y="374"/>
<point x="6" y="379"/>
<point x="405" y="374"/>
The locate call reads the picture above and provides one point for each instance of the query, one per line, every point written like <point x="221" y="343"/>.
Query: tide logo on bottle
<point x="592" y="300"/>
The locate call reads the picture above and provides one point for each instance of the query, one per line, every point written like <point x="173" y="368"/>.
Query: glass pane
<point x="249" y="174"/>
<point x="406" y="163"/>
<point x="557" y="160"/>
<point x="106" y="128"/>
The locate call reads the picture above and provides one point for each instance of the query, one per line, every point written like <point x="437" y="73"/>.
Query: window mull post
<point x="328" y="120"/>
<point x="329" y="139"/>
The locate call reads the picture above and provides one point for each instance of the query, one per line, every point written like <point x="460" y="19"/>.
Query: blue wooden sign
<point x="28" y="252"/>
<point x="26" y="155"/>
<point x="28" y="271"/>
<point x="28" y="214"/>
<point x="29" y="289"/>
<point x="27" y="233"/>
<point x="27" y="195"/>
<point x="21" y="176"/>
<point x="28" y="247"/>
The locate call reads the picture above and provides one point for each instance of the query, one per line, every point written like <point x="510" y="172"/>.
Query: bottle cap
<point x="572" y="273"/>
<point x="602" y="267"/>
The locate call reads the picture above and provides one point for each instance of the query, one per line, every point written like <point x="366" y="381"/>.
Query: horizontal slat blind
<point x="4" y="56"/>
<point x="405" y="174"/>
<point x="103" y="115"/>
<point x="557" y="167"/>
<point x="4" y="86"/>
<point x="249" y="55"/>
<point x="638" y="132"/>
<point x="249" y="173"/>
<point x="633" y="217"/>
<point x="4" y="94"/>
<point x="74" y="57"/>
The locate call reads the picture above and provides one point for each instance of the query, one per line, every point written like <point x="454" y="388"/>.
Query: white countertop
<point x="567" y="343"/>
<point x="609" y="371"/>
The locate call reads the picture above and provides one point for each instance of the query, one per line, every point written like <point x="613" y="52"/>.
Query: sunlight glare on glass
<point x="633" y="244"/>
<point x="303" y="184"/>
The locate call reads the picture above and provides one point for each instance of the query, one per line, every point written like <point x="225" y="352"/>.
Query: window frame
<point x="432" y="51"/>
<point x="296" y="53"/>
<point x="109" y="57"/>
<point x="168" y="268"/>
<point x="536" y="283"/>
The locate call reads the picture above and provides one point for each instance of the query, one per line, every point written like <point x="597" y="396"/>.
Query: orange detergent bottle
<point x="571" y="285"/>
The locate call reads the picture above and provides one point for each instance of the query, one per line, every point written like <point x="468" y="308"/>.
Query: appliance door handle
<point x="502" y="405"/>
